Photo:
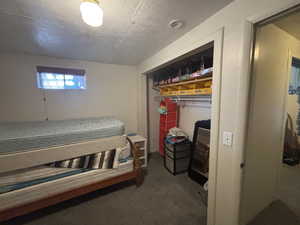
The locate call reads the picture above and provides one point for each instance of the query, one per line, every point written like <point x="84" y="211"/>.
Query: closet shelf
<point x="200" y="86"/>
<point x="202" y="79"/>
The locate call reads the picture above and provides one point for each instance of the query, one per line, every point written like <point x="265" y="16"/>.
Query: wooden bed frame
<point x="136" y="174"/>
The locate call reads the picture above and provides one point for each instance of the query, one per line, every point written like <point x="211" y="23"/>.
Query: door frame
<point x="217" y="38"/>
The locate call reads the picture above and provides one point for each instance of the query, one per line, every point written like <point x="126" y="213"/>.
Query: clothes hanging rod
<point x="195" y="104"/>
<point x="191" y="98"/>
<point x="198" y="98"/>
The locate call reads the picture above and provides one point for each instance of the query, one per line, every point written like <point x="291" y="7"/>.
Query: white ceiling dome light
<point x="91" y="13"/>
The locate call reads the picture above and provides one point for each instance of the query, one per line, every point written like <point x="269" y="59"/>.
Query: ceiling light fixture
<point x="91" y="13"/>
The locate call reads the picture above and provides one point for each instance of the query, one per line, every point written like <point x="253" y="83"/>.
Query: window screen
<point x="60" y="78"/>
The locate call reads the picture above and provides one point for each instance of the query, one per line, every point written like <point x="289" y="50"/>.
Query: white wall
<point x="234" y="89"/>
<point x="267" y="117"/>
<point x="154" y="117"/>
<point x="111" y="90"/>
<point x="190" y="114"/>
<point x="142" y="119"/>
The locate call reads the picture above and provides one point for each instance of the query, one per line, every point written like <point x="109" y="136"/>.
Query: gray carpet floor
<point x="163" y="199"/>
<point x="278" y="213"/>
<point x="289" y="187"/>
<point x="286" y="210"/>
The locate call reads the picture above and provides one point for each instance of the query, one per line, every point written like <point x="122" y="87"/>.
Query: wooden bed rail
<point x="57" y="198"/>
<point x="137" y="166"/>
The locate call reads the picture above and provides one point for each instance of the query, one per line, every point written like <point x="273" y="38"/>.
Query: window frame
<point x="76" y="73"/>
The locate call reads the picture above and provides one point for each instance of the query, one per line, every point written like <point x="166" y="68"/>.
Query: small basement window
<point x="60" y="78"/>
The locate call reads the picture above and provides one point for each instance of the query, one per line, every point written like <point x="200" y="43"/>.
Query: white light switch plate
<point x="227" y="138"/>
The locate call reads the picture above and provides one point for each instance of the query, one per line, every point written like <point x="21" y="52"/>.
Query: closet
<point x="184" y="87"/>
<point x="201" y="55"/>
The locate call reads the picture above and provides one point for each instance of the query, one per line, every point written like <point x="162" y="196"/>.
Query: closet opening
<point x="180" y="107"/>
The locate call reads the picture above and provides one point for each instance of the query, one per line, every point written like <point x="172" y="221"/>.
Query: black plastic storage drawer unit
<point x="177" y="157"/>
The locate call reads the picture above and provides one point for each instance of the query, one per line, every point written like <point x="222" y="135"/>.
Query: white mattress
<point x="26" y="159"/>
<point x="26" y="136"/>
<point x="27" y="175"/>
<point x="40" y="191"/>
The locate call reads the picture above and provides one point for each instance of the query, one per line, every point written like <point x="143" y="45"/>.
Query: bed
<point x="28" y="144"/>
<point x="37" y="161"/>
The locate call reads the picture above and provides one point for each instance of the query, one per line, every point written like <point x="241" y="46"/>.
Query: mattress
<point x="26" y="136"/>
<point x="45" y="189"/>
<point x="27" y="159"/>
<point x="34" y="176"/>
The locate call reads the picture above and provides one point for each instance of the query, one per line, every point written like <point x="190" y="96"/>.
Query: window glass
<point x="61" y="81"/>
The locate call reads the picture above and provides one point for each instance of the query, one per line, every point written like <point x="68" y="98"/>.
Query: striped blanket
<point x="103" y="160"/>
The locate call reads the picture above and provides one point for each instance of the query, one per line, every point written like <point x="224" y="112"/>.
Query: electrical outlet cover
<point x="227" y="138"/>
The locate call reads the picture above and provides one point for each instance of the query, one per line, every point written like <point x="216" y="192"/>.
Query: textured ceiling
<point x="132" y="29"/>
<point x="290" y="24"/>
